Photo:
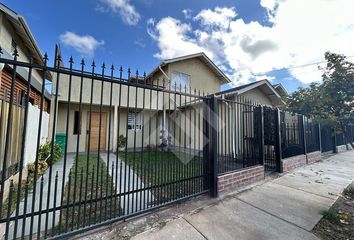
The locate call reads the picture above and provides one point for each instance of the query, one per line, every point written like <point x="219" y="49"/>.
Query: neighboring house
<point x="280" y="89"/>
<point x="15" y="34"/>
<point x="234" y="116"/>
<point x="260" y="92"/>
<point x="195" y="71"/>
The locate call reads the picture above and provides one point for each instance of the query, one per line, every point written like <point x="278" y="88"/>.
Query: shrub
<point x="150" y="148"/>
<point x="45" y="151"/>
<point x="331" y="215"/>
<point x="31" y="167"/>
<point x="122" y="141"/>
<point x="349" y="192"/>
<point x="44" y="158"/>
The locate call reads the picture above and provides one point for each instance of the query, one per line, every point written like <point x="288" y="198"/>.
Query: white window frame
<point x="135" y="120"/>
<point x="177" y="81"/>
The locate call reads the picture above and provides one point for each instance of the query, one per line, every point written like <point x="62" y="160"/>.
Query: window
<point x="22" y="97"/>
<point x="134" y="120"/>
<point x="77" y="123"/>
<point x="13" y="46"/>
<point x="180" y="80"/>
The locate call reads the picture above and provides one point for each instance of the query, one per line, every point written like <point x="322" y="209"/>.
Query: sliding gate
<point x="112" y="144"/>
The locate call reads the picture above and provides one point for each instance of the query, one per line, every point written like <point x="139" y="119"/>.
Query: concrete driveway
<point x="285" y="208"/>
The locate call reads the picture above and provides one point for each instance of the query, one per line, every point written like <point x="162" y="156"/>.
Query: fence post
<point x="334" y="140"/>
<point x="261" y="135"/>
<point x="303" y="125"/>
<point x="210" y="153"/>
<point x="278" y="150"/>
<point x="319" y="137"/>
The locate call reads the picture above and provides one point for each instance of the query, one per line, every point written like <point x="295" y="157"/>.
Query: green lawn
<point x="167" y="173"/>
<point x="93" y="211"/>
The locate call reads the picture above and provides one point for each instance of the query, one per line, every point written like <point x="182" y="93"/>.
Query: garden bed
<point x="338" y="222"/>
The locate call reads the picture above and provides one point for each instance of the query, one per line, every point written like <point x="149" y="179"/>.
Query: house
<point x="259" y="92"/>
<point x="122" y="111"/>
<point x="16" y="35"/>
<point x="280" y="89"/>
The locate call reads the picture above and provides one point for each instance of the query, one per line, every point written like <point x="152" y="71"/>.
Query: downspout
<point x="163" y="106"/>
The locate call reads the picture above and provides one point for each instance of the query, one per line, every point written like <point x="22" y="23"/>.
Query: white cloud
<point x="86" y="44"/>
<point x="127" y="11"/>
<point x="219" y="17"/>
<point x="173" y="39"/>
<point x="300" y="31"/>
<point x="187" y="13"/>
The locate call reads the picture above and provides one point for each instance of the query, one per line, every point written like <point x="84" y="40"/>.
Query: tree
<point x="333" y="99"/>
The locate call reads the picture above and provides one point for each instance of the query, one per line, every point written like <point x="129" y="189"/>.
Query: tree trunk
<point x="347" y="137"/>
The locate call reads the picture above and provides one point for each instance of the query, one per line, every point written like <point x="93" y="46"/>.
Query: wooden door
<point x="94" y="132"/>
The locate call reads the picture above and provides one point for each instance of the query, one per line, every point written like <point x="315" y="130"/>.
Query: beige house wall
<point x="134" y="136"/>
<point x="201" y="77"/>
<point x="258" y="97"/>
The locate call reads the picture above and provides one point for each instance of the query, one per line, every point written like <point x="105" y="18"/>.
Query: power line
<point x="299" y="66"/>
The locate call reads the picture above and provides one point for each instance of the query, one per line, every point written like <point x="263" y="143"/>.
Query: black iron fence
<point x="239" y="134"/>
<point x="312" y="135"/>
<point x="292" y="135"/>
<point x="327" y="138"/>
<point x="117" y="144"/>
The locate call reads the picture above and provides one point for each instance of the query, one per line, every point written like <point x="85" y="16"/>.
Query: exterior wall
<point x="71" y="138"/>
<point x="116" y="97"/>
<point x="6" y="79"/>
<point x="202" y="78"/>
<point x="288" y="164"/>
<point x="32" y="132"/>
<point x="257" y="96"/>
<point x="313" y="157"/>
<point x="134" y="136"/>
<point x="241" y="178"/>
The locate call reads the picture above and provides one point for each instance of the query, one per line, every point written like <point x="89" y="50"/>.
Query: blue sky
<point x="249" y="40"/>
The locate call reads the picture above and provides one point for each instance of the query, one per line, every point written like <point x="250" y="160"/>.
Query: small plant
<point x="31" y="167"/>
<point x="44" y="158"/>
<point x="122" y="141"/>
<point x="349" y="192"/>
<point x="150" y="148"/>
<point x="45" y="152"/>
<point x="331" y="215"/>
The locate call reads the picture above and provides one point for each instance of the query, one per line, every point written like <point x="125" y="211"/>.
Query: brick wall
<point x="240" y="178"/>
<point x="288" y="164"/>
<point x="313" y="157"/>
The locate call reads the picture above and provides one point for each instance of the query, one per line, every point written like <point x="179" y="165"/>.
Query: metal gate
<point x="148" y="146"/>
<point x="271" y="161"/>
<point x="239" y="135"/>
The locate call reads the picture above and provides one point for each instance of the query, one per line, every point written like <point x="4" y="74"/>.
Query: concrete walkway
<point x="57" y="167"/>
<point x="133" y="202"/>
<point x="285" y="208"/>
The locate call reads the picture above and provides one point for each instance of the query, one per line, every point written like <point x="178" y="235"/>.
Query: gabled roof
<point x="24" y="32"/>
<point x="280" y="89"/>
<point x="203" y="57"/>
<point x="267" y="87"/>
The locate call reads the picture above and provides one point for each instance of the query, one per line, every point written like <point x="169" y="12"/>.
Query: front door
<point x="93" y="134"/>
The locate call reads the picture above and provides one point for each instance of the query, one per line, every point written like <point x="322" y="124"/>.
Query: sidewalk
<point x="285" y="208"/>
